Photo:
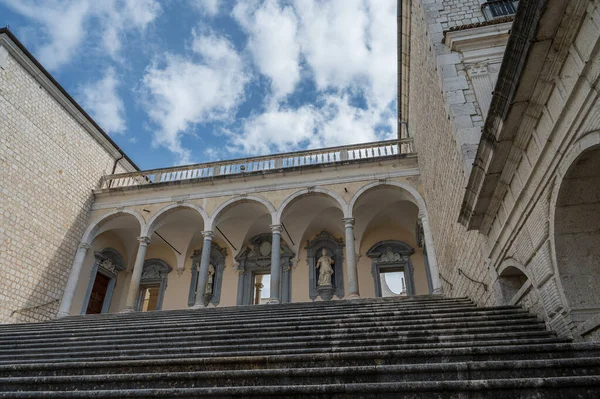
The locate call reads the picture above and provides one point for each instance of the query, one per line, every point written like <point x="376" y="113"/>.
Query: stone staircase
<point x="416" y="347"/>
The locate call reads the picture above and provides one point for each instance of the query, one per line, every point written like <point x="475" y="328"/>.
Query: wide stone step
<point x="361" y="345"/>
<point x="491" y="370"/>
<point x="207" y="324"/>
<point x="367" y="358"/>
<point x="559" y="387"/>
<point x="191" y="335"/>
<point x="211" y="315"/>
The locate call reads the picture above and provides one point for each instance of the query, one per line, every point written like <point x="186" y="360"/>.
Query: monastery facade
<point x="491" y="191"/>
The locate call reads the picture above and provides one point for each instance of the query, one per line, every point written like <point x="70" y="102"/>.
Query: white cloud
<point x="272" y="41"/>
<point x="207" y="7"/>
<point x="104" y="104"/>
<point x="331" y="122"/>
<point x="64" y="24"/>
<point x="179" y="92"/>
<point x="347" y="47"/>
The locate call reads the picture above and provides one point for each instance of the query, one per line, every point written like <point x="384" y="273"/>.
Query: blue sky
<point x="186" y="81"/>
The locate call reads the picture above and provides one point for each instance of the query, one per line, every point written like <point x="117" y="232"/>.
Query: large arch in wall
<point x="217" y="213"/>
<point x="305" y="192"/>
<point x="415" y="197"/>
<point x="154" y="222"/>
<point x="99" y="225"/>
<point x="575" y="229"/>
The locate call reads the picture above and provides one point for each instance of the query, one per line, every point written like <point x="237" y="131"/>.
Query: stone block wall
<point x="50" y="164"/>
<point x="523" y="231"/>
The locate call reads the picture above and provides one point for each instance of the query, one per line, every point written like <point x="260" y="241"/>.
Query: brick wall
<point x="49" y="166"/>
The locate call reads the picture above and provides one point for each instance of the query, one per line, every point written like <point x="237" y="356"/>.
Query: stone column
<point x="275" y="263"/>
<point x="353" y="292"/>
<point x="67" y="299"/>
<point x="203" y="272"/>
<point x="136" y="276"/>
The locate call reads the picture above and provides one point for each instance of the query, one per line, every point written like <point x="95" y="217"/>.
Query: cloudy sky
<point x="186" y="81"/>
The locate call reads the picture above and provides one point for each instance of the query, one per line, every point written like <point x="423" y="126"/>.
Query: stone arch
<point x="574" y="227"/>
<point x="300" y="193"/>
<point x="418" y="200"/>
<point x="92" y="231"/>
<point x="210" y="223"/>
<point x="151" y="225"/>
<point x="512" y="276"/>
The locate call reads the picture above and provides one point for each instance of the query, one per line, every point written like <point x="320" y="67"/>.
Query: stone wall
<point x="522" y="236"/>
<point x="50" y="164"/>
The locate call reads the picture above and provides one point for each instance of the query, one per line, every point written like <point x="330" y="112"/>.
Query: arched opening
<point x="510" y="281"/>
<point x="577" y="235"/>
<point x="313" y="223"/>
<point x="387" y="213"/>
<point x="104" y="278"/>
<point x="238" y="222"/>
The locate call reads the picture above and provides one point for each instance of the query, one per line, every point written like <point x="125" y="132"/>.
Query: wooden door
<point x="98" y="294"/>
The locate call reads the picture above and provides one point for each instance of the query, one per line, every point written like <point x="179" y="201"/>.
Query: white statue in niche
<point x="325" y="270"/>
<point x="210" y="280"/>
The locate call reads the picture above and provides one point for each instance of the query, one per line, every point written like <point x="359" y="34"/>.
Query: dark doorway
<point x="98" y="294"/>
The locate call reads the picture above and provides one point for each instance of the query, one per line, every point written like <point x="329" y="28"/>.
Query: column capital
<point x="276" y="228"/>
<point x="348" y="222"/>
<point x="85" y="245"/>
<point x="144" y="240"/>
<point x="208" y="234"/>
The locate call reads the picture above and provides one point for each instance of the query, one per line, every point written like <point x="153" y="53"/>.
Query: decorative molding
<point x="391" y="255"/>
<point x="155" y="271"/>
<point x="334" y="247"/>
<point x="481" y="43"/>
<point x="256" y="259"/>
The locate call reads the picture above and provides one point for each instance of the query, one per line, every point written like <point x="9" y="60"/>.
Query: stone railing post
<point x="275" y="263"/>
<point x="136" y="276"/>
<point x="67" y="299"/>
<point x="203" y="272"/>
<point x="353" y="292"/>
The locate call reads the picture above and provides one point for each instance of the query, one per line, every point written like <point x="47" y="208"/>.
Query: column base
<point x="127" y="310"/>
<point x="273" y="301"/>
<point x="352" y="296"/>
<point x="60" y="315"/>
<point x="198" y="306"/>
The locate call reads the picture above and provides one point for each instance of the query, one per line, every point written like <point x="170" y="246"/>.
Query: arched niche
<point x="103" y="277"/>
<point x="212" y="293"/>
<point x="153" y="285"/>
<point x="511" y="280"/>
<point x="334" y="248"/>
<point x="577" y="234"/>
<point x="255" y="259"/>
<point x="391" y="256"/>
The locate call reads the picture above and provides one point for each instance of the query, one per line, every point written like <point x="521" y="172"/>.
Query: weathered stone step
<point x="457" y="313"/>
<point x="273" y="349"/>
<point x="379" y="335"/>
<point x="232" y="313"/>
<point x="190" y="334"/>
<point x="559" y="387"/>
<point x="490" y="370"/>
<point x="367" y="358"/>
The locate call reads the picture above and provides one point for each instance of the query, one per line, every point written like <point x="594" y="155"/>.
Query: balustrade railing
<point x="332" y="155"/>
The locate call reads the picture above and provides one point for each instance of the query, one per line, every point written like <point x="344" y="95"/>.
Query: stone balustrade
<point x="331" y="155"/>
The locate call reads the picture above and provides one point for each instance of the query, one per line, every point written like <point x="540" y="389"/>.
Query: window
<point x="261" y="289"/>
<point x="150" y="298"/>
<point x="499" y="8"/>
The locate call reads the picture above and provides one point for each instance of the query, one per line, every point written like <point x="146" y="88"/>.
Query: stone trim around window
<point x="155" y="271"/>
<point x="391" y="254"/>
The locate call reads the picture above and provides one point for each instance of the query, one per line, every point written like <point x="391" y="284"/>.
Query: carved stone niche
<point x="217" y="259"/>
<point x="256" y="259"/>
<point x="388" y="256"/>
<point x="155" y="271"/>
<point x="335" y="249"/>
